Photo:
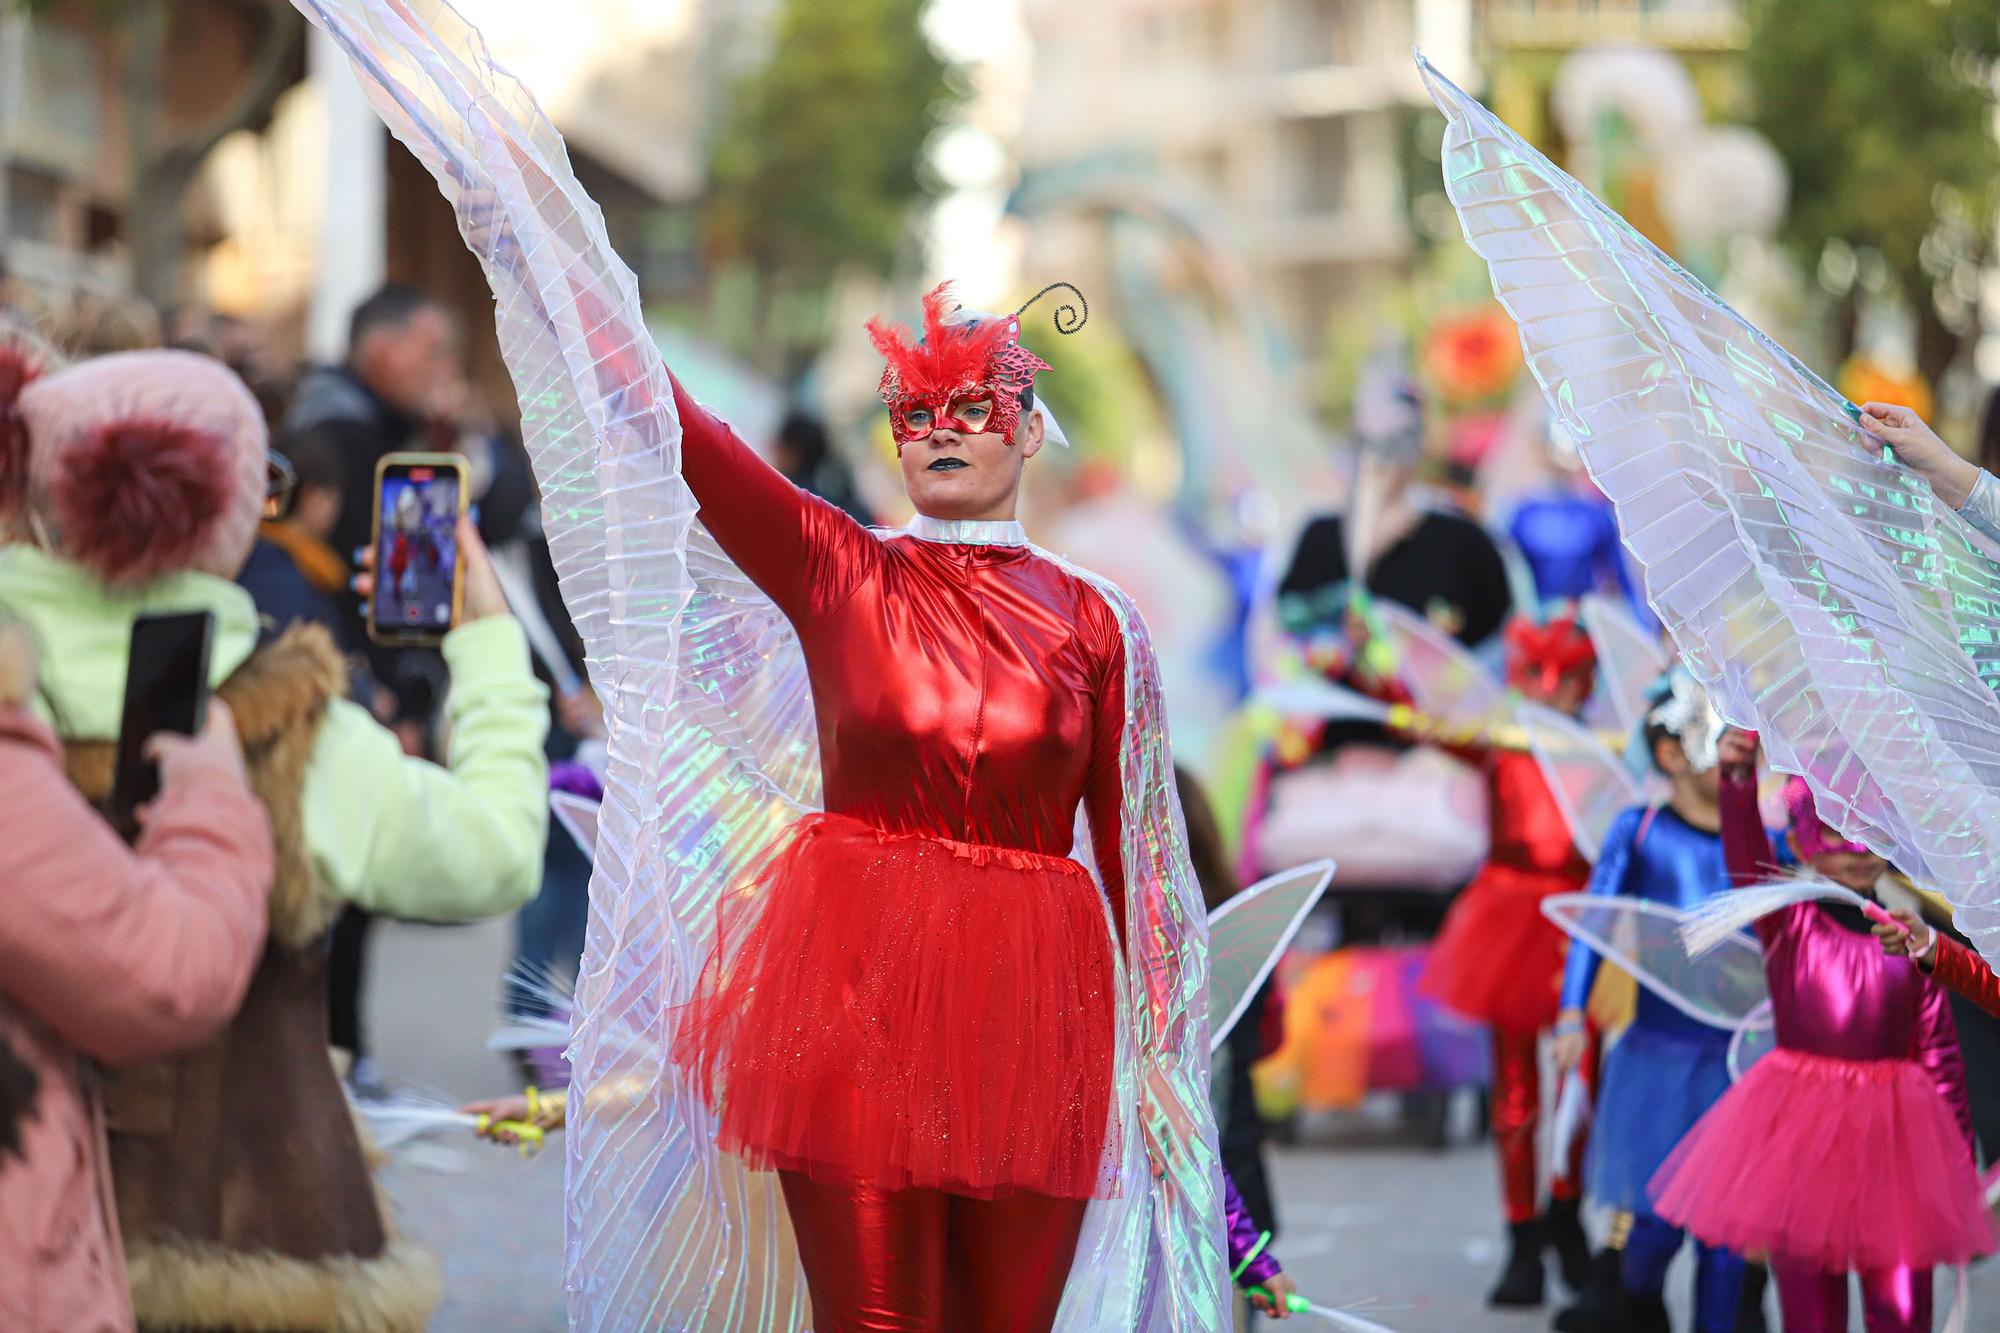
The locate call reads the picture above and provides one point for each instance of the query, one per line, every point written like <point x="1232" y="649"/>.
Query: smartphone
<point x="419" y="570"/>
<point x="166" y="689"/>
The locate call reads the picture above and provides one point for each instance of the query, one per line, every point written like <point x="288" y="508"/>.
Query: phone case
<point x="423" y="636"/>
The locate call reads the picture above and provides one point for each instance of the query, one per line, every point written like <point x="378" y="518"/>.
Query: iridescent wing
<point x="711" y="744"/>
<point x="1723" y="989"/>
<point x="1321" y="700"/>
<point x="1248" y="934"/>
<point x="578" y="818"/>
<point x="1818" y="588"/>
<point x="1444" y="679"/>
<point x="1630" y="658"/>
<point x="1589" y="782"/>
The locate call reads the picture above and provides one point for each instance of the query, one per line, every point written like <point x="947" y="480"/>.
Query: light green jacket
<point x="393" y="834"/>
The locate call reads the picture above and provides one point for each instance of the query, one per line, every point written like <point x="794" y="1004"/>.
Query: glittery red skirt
<point x="910" y="1012"/>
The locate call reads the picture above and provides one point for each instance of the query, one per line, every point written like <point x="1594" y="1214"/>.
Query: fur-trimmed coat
<point x="112" y="955"/>
<point x="243" y="1188"/>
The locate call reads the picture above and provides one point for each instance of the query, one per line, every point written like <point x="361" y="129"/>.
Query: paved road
<point x="1407" y="1237"/>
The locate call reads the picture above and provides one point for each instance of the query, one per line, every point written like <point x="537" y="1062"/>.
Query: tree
<point x="164" y="164"/>
<point x="1883" y="111"/>
<point x="820" y="164"/>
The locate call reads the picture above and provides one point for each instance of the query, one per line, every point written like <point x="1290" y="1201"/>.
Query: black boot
<point x="1633" y="1313"/>
<point x="1750" y="1299"/>
<point x="1521" y="1281"/>
<point x="1591" y="1311"/>
<point x="1562" y="1232"/>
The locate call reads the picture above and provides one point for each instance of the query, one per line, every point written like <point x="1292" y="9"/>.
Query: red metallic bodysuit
<point x="909" y="1012"/>
<point x="1500" y="961"/>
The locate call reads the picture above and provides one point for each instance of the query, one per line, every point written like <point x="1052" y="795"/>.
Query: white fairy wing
<point x="1630" y="658"/>
<point x="711" y="747"/>
<point x="1249" y="933"/>
<point x="1443" y="677"/>
<point x="1591" y="785"/>
<point x="1312" y="697"/>
<point x="1724" y="989"/>
<point x="578" y="817"/>
<point x="1817" y="588"/>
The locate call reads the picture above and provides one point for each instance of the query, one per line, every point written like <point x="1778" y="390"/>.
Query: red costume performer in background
<point x="910" y="1012"/>
<point x="1499" y="961"/>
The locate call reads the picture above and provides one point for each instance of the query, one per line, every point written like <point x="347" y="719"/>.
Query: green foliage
<point x="1883" y="112"/>
<point x="820" y="163"/>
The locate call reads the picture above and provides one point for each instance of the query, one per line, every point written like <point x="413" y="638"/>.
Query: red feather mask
<point x="967" y="377"/>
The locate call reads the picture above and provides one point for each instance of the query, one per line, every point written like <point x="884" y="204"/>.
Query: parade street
<point x="1371" y="1225"/>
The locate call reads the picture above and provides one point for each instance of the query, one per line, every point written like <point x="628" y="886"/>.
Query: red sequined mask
<point x="966" y="377"/>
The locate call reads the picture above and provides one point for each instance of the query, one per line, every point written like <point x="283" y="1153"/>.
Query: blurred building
<point x="1282" y="120"/>
<point x="70" y="100"/>
<point x="310" y="204"/>
<point x="1525" y="42"/>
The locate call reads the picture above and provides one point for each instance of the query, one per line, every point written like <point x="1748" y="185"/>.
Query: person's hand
<point x="1905" y="935"/>
<point x="483" y="598"/>
<point x="498" y="1113"/>
<point x="215" y="754"/>
<point x="1276" y="1304"/>
<point x="1736" y="752"/>
<point x="1920" y="449"/>
<point x="1571" y="1043"/>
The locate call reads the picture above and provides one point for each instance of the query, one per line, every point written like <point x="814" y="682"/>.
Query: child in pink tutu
<point x="1849" y="1147"/>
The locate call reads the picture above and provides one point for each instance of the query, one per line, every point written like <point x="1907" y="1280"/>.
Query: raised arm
<point x="806" y="555"/>
<point x="1746" y="848"/>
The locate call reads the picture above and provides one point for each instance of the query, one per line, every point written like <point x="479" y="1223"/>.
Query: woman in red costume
<point x="909" y="1013"/>
<point x="1500" y="961"/>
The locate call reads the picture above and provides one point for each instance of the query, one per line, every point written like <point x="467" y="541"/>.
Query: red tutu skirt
<point x="1841" y="1164"/>
<point x="910" y="1012"/>
<point x="1498" y="960"/>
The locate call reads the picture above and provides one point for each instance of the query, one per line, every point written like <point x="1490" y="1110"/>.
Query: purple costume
<point x="1244" y="1236"/>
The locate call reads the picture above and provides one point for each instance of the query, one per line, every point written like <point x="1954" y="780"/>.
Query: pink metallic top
<point x="1834" y="992"/>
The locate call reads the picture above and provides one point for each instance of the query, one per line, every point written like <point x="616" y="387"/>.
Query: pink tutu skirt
<point x="910" y="1012"/>
<point x="1841" y="1164"/>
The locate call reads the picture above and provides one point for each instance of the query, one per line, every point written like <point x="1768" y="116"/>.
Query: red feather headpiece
<point x="1546" y="653"/>
<point x="953" y="362"/>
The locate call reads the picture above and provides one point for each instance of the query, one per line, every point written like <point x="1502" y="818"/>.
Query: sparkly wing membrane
<point x="1630" y="658"/>
<point x="704" y="691"/>
<point x="1724" y="988"/>
<point x="1817" y="588"/>
<point x="578" y="818"/>
<point x="1590" y="783"/>
<point x="1249" y="933"/>
<point x="713" y="753"/>
<point x="1444" y="680"/>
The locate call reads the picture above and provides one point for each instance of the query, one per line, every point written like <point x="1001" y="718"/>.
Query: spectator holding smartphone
<point x="107" y="954"/>
<point x="146" y="475"/>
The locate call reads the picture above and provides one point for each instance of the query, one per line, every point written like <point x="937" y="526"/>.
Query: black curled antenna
<point x="1068" y="317"/>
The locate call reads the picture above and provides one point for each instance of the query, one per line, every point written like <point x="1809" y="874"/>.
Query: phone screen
<point x="416" y="551"/>
<point x="166" y="689"/>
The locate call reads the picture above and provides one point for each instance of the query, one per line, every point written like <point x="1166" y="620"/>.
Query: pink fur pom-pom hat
<point x="143" y="464"/>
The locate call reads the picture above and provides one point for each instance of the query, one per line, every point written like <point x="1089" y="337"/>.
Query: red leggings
<point x="1895" y="1300"/>
<point x="1517" y="1116"/>
<point x="923" y="1261"/>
